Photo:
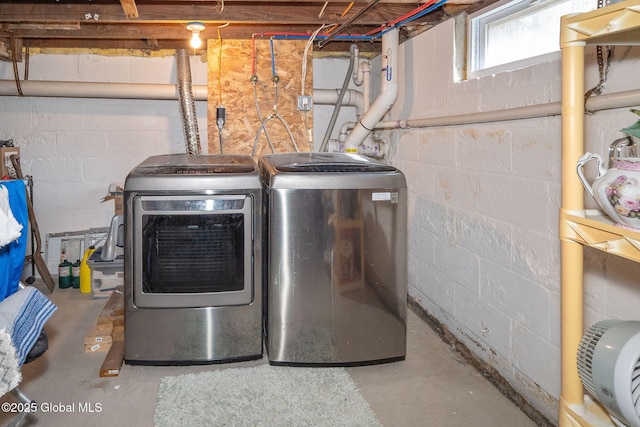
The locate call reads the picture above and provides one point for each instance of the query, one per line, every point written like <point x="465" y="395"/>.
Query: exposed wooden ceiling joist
<point x="162" y="23"/>
<point x="233" y="12"/>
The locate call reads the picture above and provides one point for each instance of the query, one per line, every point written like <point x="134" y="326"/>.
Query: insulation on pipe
<point x="104" y="90"/>
<point x="187" y="103"/>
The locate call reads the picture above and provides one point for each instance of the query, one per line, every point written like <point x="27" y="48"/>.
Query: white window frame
<point x="476" y="38"/>
<point x="477" y="27"/>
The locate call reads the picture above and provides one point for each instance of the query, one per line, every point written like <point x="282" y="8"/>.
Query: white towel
<point x="10" y="375"/>
<point x="10" y="229"/>
<point x="24" y="314"/>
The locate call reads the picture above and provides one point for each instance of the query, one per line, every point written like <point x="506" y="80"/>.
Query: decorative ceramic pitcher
<point x="617" y="189"/>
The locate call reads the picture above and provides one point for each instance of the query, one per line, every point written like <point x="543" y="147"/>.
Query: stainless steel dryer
<point x="193" y="260"/>
<point x="336" y="269"/>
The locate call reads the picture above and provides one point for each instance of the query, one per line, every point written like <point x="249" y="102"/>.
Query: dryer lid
<point x="325" y="163"/>
<point x="183" y="164"/>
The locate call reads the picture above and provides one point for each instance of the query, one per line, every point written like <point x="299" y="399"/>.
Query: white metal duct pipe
<point x="187" y="104"/>
<point x="60" y="89"/>
<point x="351" y="98"/>
<point x="388" y="93"/>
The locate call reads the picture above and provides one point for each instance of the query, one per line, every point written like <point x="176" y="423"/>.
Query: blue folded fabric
<point x="24" y="314"/>
<point x="12" y="255"/>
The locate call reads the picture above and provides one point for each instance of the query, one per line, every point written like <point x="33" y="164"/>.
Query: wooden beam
<point x="6" y="49"/>
<point x="157" y="31"/>
<point x="129" y="8"/>
<point x="113" y="361"/>
<point x="156" y="24"/>
<point x="145" y="45"/>
<point x="153" y="44"/>
<point x="234" y="12"/>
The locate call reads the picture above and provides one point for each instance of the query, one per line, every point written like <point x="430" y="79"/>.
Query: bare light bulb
<point x="195" y="28"/>
<point x="195" y="41"/>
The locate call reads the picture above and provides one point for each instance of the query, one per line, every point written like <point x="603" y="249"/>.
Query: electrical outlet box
<point x="305" y="103"/>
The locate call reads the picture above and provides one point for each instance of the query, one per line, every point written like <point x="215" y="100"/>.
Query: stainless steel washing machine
<point x="336" y="264"/>
<point x="193" y="260"/>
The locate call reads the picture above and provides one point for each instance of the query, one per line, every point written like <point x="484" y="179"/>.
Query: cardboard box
<point x="6" y="168"/>
<point x="119" y="204"/>
<point x="116" y="192"/>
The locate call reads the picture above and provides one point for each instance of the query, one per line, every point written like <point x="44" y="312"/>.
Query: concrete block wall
<point x="484" y="253"/>
<point x="484" y="198"/>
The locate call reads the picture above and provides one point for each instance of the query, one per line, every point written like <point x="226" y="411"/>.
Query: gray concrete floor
<point x="432" y="387"/>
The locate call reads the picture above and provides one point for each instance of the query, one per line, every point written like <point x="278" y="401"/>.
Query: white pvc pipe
<point x="351" y="98"/>
<point x="149" y="91"/>
<point x="601" y="102"/>
<point x="369" y="147"/>
<point x="365" y="66"/>
<point x="362" y="77"/>
<point x="541" y="110"/>
<point x="387" y="97"/>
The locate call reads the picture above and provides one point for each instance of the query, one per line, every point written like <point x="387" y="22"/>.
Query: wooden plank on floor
<point x="107" y="334"/>
<point x="113" y="309"/>
<point x="113" y="361"/>
<point x="117" y="335"/>
<point x="97" y="347"/>
<point x="94" y="336"/>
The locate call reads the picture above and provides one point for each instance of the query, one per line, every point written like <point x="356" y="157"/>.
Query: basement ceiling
<point x="161" y="24"/>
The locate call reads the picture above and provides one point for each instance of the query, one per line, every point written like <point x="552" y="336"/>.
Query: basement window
<point x="518" y="33"/>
